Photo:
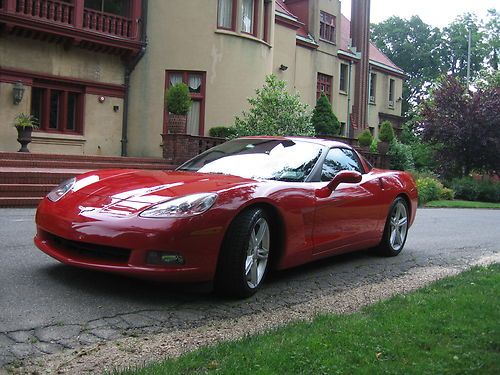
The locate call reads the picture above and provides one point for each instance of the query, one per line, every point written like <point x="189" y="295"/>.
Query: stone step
<point x="25" y="190"/>
<point x="20" y="201"/>
<point x="79" y="164"/>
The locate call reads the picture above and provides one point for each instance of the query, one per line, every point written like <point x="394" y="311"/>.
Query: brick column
<point x="360" y="34"/>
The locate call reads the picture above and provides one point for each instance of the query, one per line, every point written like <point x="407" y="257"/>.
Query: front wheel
<point x="244" y="258"/>
<point x="396" y="229"/>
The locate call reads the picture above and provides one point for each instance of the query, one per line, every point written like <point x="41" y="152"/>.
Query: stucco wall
<point x="183" y="36"/>
<point x="102" y="124"/>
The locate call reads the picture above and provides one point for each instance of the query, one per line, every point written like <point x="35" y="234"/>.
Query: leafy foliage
<point x="431" y="189"/>
<point x="365" y="138"/>
<point x="414" y="46"/>
<point x="177" y="99"/>
<point x="386" y="133"/>
<point x="401" y="156"/>
<point x="24" y="120"/>
<point x="466" y="125"/>
<point x="324" y="120"/>
<point x="274" y="111"/>
<point x="476" y="190"/>
<point x="222" y="132"/>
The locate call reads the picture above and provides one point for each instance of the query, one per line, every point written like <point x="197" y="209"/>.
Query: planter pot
<point x="177" y="124"/>
<point x="24" y="137"/>
<point x="383" y="147"/>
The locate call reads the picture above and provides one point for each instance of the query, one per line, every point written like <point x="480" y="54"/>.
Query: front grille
<point x="116" y="254"/>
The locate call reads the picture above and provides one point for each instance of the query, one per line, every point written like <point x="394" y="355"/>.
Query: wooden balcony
<point x="70" y="23"/>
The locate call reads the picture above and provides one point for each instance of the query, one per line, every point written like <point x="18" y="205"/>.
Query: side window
<point x="339" y="159"/>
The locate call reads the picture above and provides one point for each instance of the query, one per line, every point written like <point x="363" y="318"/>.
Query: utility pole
<point x="468" y="56"/>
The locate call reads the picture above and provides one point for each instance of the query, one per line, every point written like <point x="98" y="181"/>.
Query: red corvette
<point x="230" y="214"/>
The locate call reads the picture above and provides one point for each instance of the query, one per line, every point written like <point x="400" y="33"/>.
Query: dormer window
<point x="327" y="27"/>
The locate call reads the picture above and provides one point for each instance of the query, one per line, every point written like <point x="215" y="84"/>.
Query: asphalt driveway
<point x="46" y="307"/>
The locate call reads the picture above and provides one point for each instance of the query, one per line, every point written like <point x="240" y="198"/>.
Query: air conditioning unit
<point x="372" y="99"/>
<point x="391" y="103"/>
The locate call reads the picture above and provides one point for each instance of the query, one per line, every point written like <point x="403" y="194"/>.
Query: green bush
<point x="400" y="156"/>
<point x="274" y="111"/>
<point x="430" y="188"/>
<point x="365" y="138"/>
<point x="386" y="133"/>
<point x="324" y="120"/>
<point x="373" y="145"/>
<point x="222" y="132"/>
<point x="177" y="99"/>
<point x="470" y="189"/>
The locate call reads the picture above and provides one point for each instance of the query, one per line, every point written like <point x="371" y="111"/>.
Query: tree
<point x="466" y="125"/>
<point x="415" y="47"/>
<point x="274" y="111"/>
<point x="324" y="120"/>
<point x="492" y="31"/>
<point x="455" y="46"/>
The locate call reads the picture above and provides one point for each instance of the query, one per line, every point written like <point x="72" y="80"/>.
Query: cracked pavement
<point x="46" y="307"/>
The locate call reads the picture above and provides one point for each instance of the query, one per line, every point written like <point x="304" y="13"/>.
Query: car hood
<point x="152" y="187"/>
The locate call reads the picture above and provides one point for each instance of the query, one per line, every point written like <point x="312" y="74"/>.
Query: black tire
<point x="391" y="247"/>
<point x="231" y="279"/>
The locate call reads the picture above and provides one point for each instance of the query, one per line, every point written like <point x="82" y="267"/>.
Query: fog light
<point x="164" y="258"/>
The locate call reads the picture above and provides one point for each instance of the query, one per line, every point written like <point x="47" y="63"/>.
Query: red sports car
<point x="230" y="214"/>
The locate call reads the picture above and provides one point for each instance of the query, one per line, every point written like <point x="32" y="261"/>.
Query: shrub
<point x="386" y="133"/>
<point x="373" y="145"/>
<point x="365" y="138"/>
<point x="177" y="99"/>
<point x="324" y="120"/>
<point x="447" y="194"/>
<point x="429" y="189"/>
<point x="274" y="111"/>
<point x="401" y="156"/>
<point x="222" y="132"/>
<point x="472" y="190"/>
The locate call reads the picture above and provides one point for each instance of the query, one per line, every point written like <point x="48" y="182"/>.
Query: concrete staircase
<point x="25" y="178"/>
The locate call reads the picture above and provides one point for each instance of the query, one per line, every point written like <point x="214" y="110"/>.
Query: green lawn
<point x="450" y="327"/>
<point x="462" y="204"/>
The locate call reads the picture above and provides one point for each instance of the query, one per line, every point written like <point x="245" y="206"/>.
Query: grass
<point x="462" y="204"/>
<point x="449" y="327"/>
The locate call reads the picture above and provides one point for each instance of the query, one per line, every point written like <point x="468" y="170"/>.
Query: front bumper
<point x="120" y="245"/>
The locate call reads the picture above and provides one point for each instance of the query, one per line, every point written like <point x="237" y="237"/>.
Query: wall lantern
<point x="18" y="92"/>
<point x="283" y="67"/>
<point x="101" y="99"/>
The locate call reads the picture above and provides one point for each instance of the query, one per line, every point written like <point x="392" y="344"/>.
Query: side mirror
<point x="343" y="177"/>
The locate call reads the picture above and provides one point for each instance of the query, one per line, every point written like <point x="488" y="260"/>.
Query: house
<point x="95" y="71"/>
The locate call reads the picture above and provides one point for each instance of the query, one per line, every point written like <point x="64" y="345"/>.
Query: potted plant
<point x="178" y="102"/>
<point x="386" y="136"/>
<point x="365" y="139"/>
<point x="25" y="124"/>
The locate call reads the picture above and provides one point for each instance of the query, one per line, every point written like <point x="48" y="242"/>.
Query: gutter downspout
<point x="129" y="68"/>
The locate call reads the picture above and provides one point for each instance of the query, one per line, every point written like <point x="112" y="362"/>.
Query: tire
<point x="244" y="257"/>
<point x="395" y="230"/>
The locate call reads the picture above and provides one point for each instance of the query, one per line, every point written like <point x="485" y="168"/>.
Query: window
<point x="226" y="10"/>
<point x="327" y="27"/>
<point x="344" y="71"/>
<point x="373" y="87"/>
<point x="119" y="7"/>
<point x="339" y="159"/>
<point x="324" y="86"/>
<point x="57" y="108"/>
<point x="267" y="19"/>
<point x="196" y="84"/>
<point x="249" y="16"/>
<point x="391" y="93"/>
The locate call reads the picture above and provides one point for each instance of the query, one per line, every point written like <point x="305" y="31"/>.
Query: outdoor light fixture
<point x="18" y="92"/>
<point x="283" y="67"/>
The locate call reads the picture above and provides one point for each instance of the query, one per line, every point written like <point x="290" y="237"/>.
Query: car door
<point x="347" y="219"/>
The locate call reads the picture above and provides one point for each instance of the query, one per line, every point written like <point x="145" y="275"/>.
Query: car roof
<point x="320" y="141"/>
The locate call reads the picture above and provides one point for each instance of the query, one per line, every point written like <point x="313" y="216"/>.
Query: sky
<point x="438" y="13"/>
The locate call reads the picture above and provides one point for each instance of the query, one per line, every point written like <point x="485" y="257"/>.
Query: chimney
<point x="360" y="35"/>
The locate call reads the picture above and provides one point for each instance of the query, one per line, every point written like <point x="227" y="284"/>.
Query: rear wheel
<point x="244" y="258"/>
<point x="396" y="229"/>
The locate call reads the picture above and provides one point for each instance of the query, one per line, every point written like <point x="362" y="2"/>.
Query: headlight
<point x="189" y="205"/>
<point x="61" y="190"/>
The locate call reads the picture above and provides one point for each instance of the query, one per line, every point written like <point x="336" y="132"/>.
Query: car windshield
<point x="268" y="159"/>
